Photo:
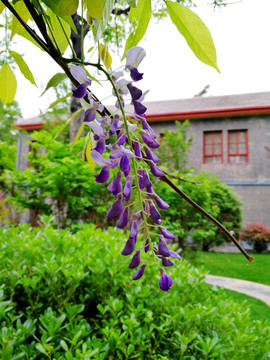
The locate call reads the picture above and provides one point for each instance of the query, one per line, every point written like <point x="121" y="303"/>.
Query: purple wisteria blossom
<point x="165" y="281"/>
<point x="128" y="144"/>
<point x="80" y="75"/>
<point x="134" y="57"/>
<point x="139" y="273"/>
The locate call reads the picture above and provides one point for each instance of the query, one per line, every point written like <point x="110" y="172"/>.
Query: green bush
<point x="217" y="199"/>
<point x="70" y="296"/>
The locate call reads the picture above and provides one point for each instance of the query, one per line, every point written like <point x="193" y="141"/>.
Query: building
<point x="232" y="140"/>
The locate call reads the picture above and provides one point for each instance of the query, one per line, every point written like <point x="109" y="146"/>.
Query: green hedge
<point x="70" y="296"/>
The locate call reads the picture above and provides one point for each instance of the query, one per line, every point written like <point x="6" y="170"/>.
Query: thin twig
<point x="206" y="214"/>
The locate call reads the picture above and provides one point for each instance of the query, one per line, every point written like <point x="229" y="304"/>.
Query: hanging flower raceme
<point x="129" y="145"/>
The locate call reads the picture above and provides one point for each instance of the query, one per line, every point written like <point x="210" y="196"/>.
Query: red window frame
<point x="213" y="143"/>
<point x="238" y="142"/>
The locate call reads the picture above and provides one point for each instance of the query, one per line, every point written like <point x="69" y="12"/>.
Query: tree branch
<point x="206" y="214"/>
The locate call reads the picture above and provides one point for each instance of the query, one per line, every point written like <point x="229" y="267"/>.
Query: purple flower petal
<point x="166" y="233"/>
<point x="123" y="221"/>
<point x="134" y="92"/>
<point x="149" y="141"/>
<point x="146" y="246"/>
<point x="135" y="74"/>
<point x="115" y="187"/>
<point x="158" y="222"/>
<point x="100" y="146"/>
<point x="140" y="178"/>
<point x="162" y="247"/>
<point x="97" y="129"/>
<point x="99" y="159"/>
<point x="146" y="179"/>
<point x="166" y="262"/>
<point x="135" y="261"/>
<point x="114" y="125"/>
<point x="155" y="215"/>
<point x="121" y="138"/>
<point x="134" y="56"/>
<point x="147" y="127"/>
<point x="139" y="273"/>
<point x="116" y="209"/>
<point x="129" y="247"/>
<point x="150" y="155"/>
<point x="137" y="149"/>
<point x="139" y="107"/>
<point x="80" y="92"/>
<point x="156" y="171"/>
<point x="127" y="189"/>
<point x="165" y="281"/>
<point x="90" y="115"/>
<point x="161" y="203"/>
<point x="125" y="164"/>
<point x="175" y="255"/>
<point x="103" y="176"/>
<point x="80" y="75"/>
<point x="133" y="226"/>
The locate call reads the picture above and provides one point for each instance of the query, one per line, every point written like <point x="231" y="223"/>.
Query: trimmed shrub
<point x="258" y="235"/>
<point x="70" y="296"/>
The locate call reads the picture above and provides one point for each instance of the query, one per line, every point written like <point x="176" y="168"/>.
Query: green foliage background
<point x="70" y="295"/>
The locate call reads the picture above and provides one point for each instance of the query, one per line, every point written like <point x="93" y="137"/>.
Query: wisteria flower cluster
<point x="136" y="206"/>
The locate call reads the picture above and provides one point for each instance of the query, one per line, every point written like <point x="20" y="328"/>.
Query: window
<point x="238" y="146"/>
<point x="212" y="147"/>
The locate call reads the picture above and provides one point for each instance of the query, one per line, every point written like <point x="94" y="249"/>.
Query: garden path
<point x="256" y="290"/>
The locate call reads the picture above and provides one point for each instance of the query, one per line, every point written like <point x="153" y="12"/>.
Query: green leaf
<point x="78" y="134"/>
<point x="23" y="66"/>
<point x="67" y="7"/>
<point x="16" y="26"/>
<point x="100" y="25"/>
<point x="2" y="6"/>
<point x="105" y="55"/>
<point x="52" y="4"/>
<point x="61" y="33"/>
<point x="132" y="3"/>
<point x="8" y="84"/>
<point x="40" y="348"/>
<point x="54" y="81"/>
<point x="60" y="100"/>
<point x="28" y="37"/>
<point x="195" y="32"/>
<point x="94" y="8"/>
<point x="64" y="345"/>
<point x="140" y="17"/>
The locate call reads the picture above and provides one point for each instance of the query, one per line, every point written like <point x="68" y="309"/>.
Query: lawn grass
<point x="234" y="265"/>
<point x="258" y="309"/>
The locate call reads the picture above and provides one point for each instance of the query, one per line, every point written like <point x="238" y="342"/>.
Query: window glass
<point x="237" y="147"/>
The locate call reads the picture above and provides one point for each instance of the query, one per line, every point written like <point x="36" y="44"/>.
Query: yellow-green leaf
<point x="67" y="122"/>
<point x="28" y="37"/>
<point x="22" y="10"/>
<point x="61" y="33"/>
<point x="67" y="7"/>
<point x="140" y="16"/>
<point x="78" y="134"/>
<point x="89" y="148"/>
<point x="8" y="84"/>
<point x="94" y="8"/>
<point x="60" y="100"/>
<point x="2" y="6"/>
<point x="23" y="66"/>
<point x="105" y="55"/>
<point x="195" y="32"/>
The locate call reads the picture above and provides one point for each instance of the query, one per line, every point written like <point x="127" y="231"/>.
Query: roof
<point x="192" y="108"/>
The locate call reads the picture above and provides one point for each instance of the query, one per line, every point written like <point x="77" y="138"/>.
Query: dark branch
<point x="206" y="214"/>
<point x="121" y="11"/>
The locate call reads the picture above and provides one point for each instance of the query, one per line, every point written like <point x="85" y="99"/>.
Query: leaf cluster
<point x="69" y="296"/>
